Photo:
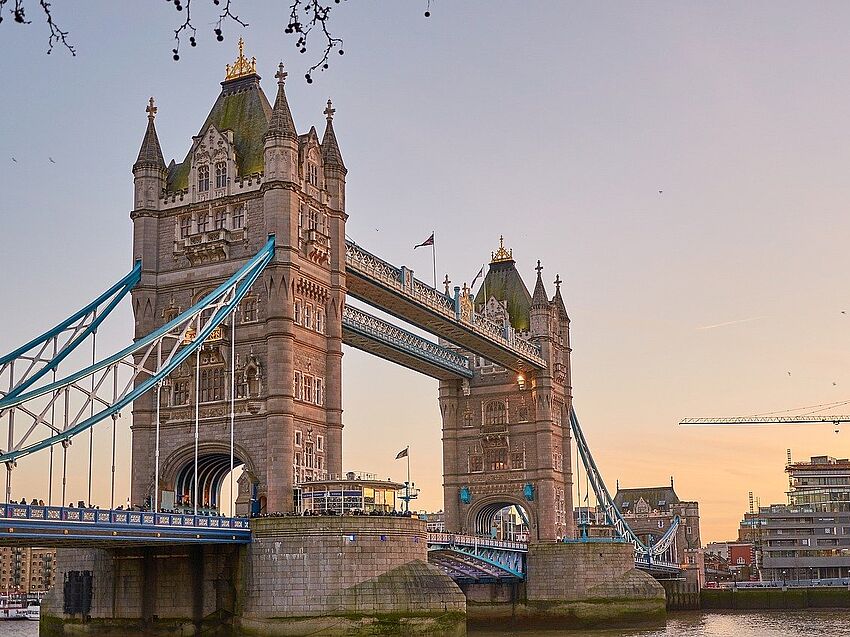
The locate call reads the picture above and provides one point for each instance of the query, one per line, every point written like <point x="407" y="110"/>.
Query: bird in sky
<point x="834" y="383"/>
<point x="14" y="160"/>
<point x="52" y="161"/>
<point x="789" y="373"/>
<point x="660" y="191"/>
<point x="844" y="311"/>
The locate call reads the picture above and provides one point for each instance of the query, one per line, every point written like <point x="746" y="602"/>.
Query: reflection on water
<point x="811" y="623"/>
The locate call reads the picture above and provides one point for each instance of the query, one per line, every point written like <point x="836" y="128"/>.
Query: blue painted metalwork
<point x="509" y="557"/>
<point x="60" y="524"/>
<point x="401" y="283"/>
<point x="373" y="328"/>
<point x="112" y="297"/>
<point x="223" y="300"/>
<point x="643" y="554"/>
<point x="465" y="495"/>
<point x="528" y="492"/>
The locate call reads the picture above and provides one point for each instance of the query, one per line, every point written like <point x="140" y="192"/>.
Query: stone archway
<point x="178" y="473"/>
<point x="480" y="516"/>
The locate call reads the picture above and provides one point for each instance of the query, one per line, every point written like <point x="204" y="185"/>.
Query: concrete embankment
<point x="774" y="598"/>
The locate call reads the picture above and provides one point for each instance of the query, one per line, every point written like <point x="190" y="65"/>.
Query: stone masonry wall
<point x="340" y="565"/>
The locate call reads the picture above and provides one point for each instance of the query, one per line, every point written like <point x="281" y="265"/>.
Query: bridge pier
<point x="570" y="586"/>
<point x="300" y="576"/>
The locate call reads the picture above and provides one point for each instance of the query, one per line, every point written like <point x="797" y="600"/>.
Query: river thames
<point x="759" y="624"/>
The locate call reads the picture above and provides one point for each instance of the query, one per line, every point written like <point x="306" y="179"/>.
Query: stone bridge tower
<point x="506" y="436"/>
<point x="247" y="175"/>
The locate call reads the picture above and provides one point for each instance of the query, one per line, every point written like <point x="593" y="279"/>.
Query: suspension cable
<point x="232" y="403"/>
<point x="52" y="419"/>
<point x="156" y="453"/>
<point x="197" y="406"/>
<point x="91" y="411"/>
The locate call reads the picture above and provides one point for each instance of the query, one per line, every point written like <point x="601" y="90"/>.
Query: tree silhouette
<point x="306" y="17"/>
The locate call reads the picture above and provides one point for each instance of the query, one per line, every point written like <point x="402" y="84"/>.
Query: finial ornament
<point x="558" y="282"/>
<point x="242" y="66"/>
<point x="151" y="110"/>
<point x="539" y="267"/>
<point x="281" y="74"/>
<point x="501" y="254"/>
<point x="446" y="282"/>
<point x="330" y="110"/>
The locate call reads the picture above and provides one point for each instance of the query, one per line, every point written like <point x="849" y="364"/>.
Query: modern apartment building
<point x="26" y="570"/>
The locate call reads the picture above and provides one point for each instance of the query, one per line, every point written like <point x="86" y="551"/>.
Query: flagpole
<point x="407" y="501"/>
<point x="434" y="255"/>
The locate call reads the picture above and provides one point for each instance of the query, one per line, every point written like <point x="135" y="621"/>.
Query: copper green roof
<point x="505" y="284"/>
<point x="243" y="108"/>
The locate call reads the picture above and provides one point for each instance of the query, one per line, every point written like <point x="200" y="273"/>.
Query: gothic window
<point x="495" y="413"/>
<point x="203" y="221"/>
<point x="523" y="413"/>
<point x="308" y="316"/>
<point x="249" y="309"/>
<point x="320" y="443"/>
<point x="297" y="438"/>
<point x="309" y="455"/>
<point x="203" y="178"/>
<point x="497" y="459"/>
<point x="220" y="174"/>
<point x="313" y="174"/>
<point x="239" y="216"/>
<point x="319" y="393"/>
<point x="241" y="385"/>
<point x="518" y="458"/>
<point x="476" y="463"/>
<point x="219" y="218"/>
<point x="185" y="226"/>
<point x="252" y="380"/>
<point x="298" y="311"/>
<point x="181" y="392"/>
<point x="467" y="418"/>
<point x="320" y="320"/>
<point x="298" y="386"/>
<point x="212" y="384"/>
<point x="307" y="388"/>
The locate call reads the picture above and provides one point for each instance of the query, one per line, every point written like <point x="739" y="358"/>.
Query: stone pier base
<point x="569" y="586"/>
<point x="300" y="576"/>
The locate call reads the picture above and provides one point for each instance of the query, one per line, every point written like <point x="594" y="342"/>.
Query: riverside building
<point x="26" y="570"/>
<point x="809" y="538"/>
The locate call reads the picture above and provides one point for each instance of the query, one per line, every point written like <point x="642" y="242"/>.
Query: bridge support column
<point x="569" y="586"/>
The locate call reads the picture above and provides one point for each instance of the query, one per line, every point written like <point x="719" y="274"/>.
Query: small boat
<point x="32" y="612"/>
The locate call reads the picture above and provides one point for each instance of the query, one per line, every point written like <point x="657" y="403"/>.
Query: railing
<point x="403" y="281"/>
<point x="112" y="517"/>
<point x="377" y="268"/>
<point x="369" y="324"/>
<point x="453" y="539"/>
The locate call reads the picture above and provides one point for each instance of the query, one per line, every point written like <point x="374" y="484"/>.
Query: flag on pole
<point x="477" y="276"/>
<point x="428" y="242"/>
<point x="402" y="453"/>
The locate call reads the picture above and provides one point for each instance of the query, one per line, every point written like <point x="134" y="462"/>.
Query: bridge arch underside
<point x="178" y="473"/>
<point x="481" y="516"/>
<point x="212" y="470"/>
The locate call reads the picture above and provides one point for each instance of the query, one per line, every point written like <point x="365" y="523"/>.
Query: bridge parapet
<point x="453" y="539"/>
<point x="456" y="317"/>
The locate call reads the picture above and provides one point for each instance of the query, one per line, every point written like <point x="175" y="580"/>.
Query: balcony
<point x="317" y="245"/>
<point x="209" y="246"/>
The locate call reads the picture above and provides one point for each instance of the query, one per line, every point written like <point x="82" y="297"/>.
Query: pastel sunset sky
<point x="681" y="165"/>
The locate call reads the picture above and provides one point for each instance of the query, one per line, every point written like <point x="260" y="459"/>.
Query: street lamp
<point x="520" y="381"/>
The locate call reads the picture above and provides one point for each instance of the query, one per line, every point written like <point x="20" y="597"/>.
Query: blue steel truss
<point x="373" y="329"/>
<point x="62" y="406"/>
<point x="35" y="359"/>
<point x="509" y="558"/>
<point x="644" y="555"/>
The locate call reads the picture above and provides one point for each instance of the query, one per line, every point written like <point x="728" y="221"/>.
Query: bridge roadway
<point x="396" y="291"/>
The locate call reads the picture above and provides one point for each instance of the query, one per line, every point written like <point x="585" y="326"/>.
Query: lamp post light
<point x="520" y="381"/>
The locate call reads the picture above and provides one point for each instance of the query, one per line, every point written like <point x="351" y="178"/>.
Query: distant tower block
<point x="248" y="174"/>
<point x="506" y="436"/>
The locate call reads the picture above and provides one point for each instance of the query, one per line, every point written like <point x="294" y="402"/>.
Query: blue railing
<point x="85" y="516"/>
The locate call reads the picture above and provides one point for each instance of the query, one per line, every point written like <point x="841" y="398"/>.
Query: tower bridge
<point x="242" y="270"/>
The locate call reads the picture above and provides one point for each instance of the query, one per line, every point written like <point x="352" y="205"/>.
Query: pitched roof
<point x="331" y="155"/>
<point x="281" y="122"/>
<point x="150" y="153"/>
<point x="659" y="498"/>
<point x="504" y="283"/>
<point x="243" y="108"/>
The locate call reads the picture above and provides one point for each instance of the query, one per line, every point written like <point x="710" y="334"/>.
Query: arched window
<point x="220" y="174"/>
<point x="203" y="178"/>
<point x="497" y="459"/>
<point x="495" y="413"/>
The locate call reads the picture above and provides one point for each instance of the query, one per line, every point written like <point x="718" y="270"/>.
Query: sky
<point x="681" y="165"/>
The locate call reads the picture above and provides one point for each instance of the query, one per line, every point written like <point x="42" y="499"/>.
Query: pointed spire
<point x="539" y="297"/>
<point x="558" y="299"/>
<point x="330" y="148"/>
<point x="281" y="122"/>
<point x="150" y="154"/>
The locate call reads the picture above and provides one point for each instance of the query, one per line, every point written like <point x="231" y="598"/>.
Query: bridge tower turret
<point x="506" y="438"/>
<point x="248" y="174"/>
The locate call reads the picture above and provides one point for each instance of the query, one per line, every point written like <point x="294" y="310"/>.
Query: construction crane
<point x="813" y="419"/>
